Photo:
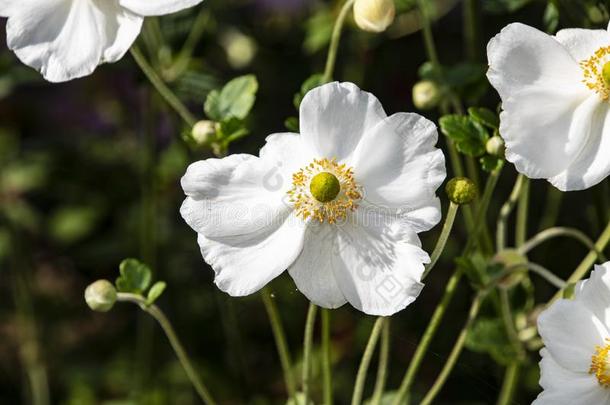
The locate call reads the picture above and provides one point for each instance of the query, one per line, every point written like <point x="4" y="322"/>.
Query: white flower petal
<point x="540" y="86"/>
<point x="400" y="167"/>
<point x="554" y="376"/>
<point x="5" y="7"/>
<point x="312" y="270"/>
<point x="594" y="292"/>
<point x="378" y="262"/>
<point x="582" y="43"/>
<point x="231" y="196"/>
<point x="590" y="164"/>
<point x="289" y="153"/>
<point x="245" y="263"/>
<point x="67" y="39"/>
<point x="334" y="117"/>
<point x="157" y="7"/>
<point x="571" y="333"/>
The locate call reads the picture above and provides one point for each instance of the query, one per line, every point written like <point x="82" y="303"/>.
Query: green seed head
<point x="100" y="296"/>
<point x="606" y="73"/>
<point x="324" y="187"/>
<point x="461" y="190"/>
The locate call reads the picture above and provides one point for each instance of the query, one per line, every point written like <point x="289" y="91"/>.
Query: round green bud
<point x="426" y="95"/>
<point x="606" y="73"/>
<point x="513" y="260"/>
<point x="324" y="187"/>
<point x="495" y="146"/>
<point x="204" y="132"/>
<point x="101" y="295"/>
<point x="461" y="190"/>
<point x="374" y="15"/>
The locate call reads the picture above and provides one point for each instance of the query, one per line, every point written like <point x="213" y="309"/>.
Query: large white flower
<point x="555" y="96"/>
<point x="66" y="39"/>
<point x="339" y="205"/>
<point x="575" y="365"/>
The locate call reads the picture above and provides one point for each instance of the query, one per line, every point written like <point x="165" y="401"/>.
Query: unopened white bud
<point x="426" y="95"/>
<point x="100" y="296"/>
<point x="374" y="15"/>
<point x="495" y="146"/>
<point x="204" y="132"/>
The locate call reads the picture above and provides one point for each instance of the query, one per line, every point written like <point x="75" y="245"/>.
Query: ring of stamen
<point x="596" y="72"/>
<point x="600" y="364"/>
<point x="324" y="190"/>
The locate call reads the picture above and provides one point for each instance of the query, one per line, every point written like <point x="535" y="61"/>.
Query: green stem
<point x="327" y="376"/>
<point x="280" y="342"/>
<point x="382" y="369"/>
<point x="509" y="323"/>
<point x="335" y="40"/>
<point x="455" y="352"/>
<point x="471" y="29"/>
<point x="442" y="239"/>
<point x="167" y="327"/>
<point x="522" y="211"/>
<point x="588" y="261"/>
<point x="161" y="87"/>
<point x="431" y="329"/>
<point x="511" y="378"/>
<point x="505" y="212"/>
<point x="427" y="33"/>
<point x="561" y="231"/>
<point x="551" y="209"/>
<point x="184" y="56"/>
<point x="366" y="360"/>
<point x="307" y="344"/>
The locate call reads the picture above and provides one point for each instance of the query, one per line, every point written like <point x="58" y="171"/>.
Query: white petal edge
<point x="244" y="264"/>
<point x="312" y="271"/>
<point x="571" y="332"/>
<point x="157" y="7"/>
<point x="378" y="263"/>
<point x="582" y="43"/>
<point x="334" y="117"/>
<point x="594" y="293"/>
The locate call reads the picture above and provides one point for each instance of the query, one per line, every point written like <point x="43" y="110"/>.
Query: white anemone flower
<point x="67" y="39"/>
<point x="575" y="365"/>
<point x="339" y="205"/>
<point x="555" y="95"/>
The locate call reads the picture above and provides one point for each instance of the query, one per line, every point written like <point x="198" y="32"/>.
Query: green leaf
<point x="155" y="292"/>
<point x="484" y="116"/>
<point x="235" y="100"/>
<point x="135" y="276"/>
<point x="490" y="163"/>
<point x="488" y="335"/>
<point x="469" y="136"/>
<point x="231" y="129"/>
<point x="292" y="124"/>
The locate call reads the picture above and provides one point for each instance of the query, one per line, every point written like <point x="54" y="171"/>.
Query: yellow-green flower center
<point x="324" y="187"/>
<point x="600" y="364"/>
<point x="606" y="73"/>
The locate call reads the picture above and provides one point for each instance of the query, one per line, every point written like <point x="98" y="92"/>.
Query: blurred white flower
<point x="555" y="93"/>
<point x="374" y="15"/>
<point x="339" y="205"/>
<point x="67" y="39"/>
<point x="575" y="365"/>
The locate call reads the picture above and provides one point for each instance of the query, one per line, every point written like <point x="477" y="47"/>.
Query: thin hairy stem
<point x="167" y="327"/>
<point x="511" y="378"/>
<point x="522" y="212"/>
<point x="307" y="344"/>
<point x="335" y="40"/>
<point x="557" y="232"/>
<point x="280" y="341"/>
<point x="442" y="239"/>
<point x="327" y="376"/>
<point x="366" y="360"/>
<point x="161" y="87"/>
<point x="382" y="369"/>
<point x="505" y="212"/>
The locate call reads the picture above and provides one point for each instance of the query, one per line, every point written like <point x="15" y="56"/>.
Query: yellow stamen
<point x="596" y="72"/>
<point x="600" y="364"/>
<point x="324" y="190"/>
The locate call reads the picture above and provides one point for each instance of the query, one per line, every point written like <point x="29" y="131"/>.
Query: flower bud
<point x="426" y="95"/>
<point x="374" y="15"/>
<point x="100" y="296"/>
<point x="204" y="132"/>
<point x="461" y="190"/>
<point x="495" y="146"/>
<point x="513" y="260"/>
